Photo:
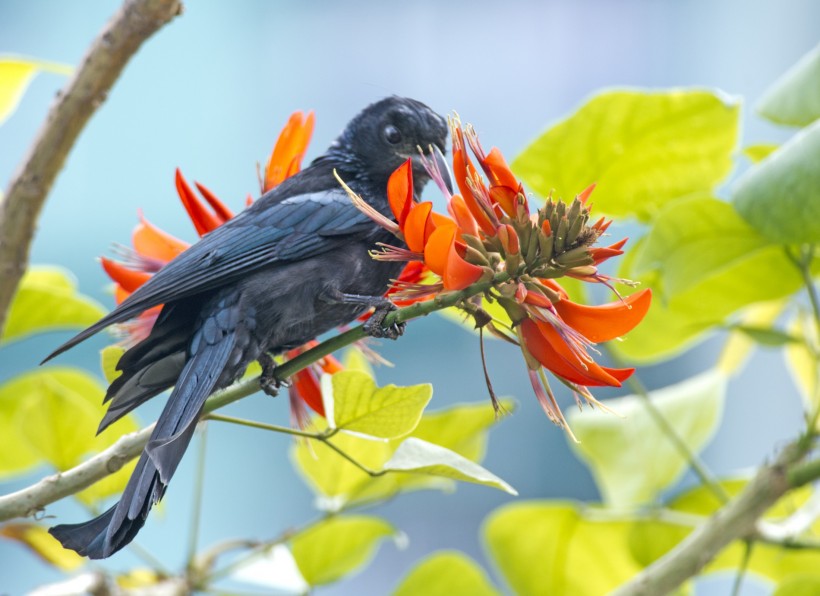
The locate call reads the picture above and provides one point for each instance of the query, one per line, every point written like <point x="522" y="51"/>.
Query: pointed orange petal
<point x="437" y="249"/>
<point x="584" y="194"/>
<point x="465" y="220"/>
<point x="204" y="221"/>
<point x="462" y="170"/>
<point x="128" y="279"/>
<point x="415" y="226"/>
<point x="505" y="197"/>
<point x="607" y="321"/>
<point x="306" y="385"/>
<point x="497" y="168"/>
<point x="120" y="294"/>
<point x="400" y="191"/>
<point x="149" y="241"/>
<point x="458" y="273"/>
<point x="289" y="150"/>
<point x="222" y="212"/>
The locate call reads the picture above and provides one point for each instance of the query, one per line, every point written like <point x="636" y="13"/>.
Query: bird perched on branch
<point x="292" y="266"/>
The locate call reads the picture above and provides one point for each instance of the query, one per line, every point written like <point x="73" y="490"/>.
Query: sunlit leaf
<point x="642" y="148"/>
<point x="386" y="412"/>
<point x="759" y="152"/>
<point x="338" y="546"/>
<point x="739" y="345"/>
<point x="801" y="361"/>
<point x="16" y="74"/>
<point x="704" y="264"/>
<point x="419" y="456"/>
<point x="804" y="584"/>
<point x="47" y="300"/>
<point x="614" y="448"/>
<point x="275" y="569"/>
<point x="139" y="578"/>
<point x="354" y="359"/>
<point x="795" y="97"/>
<point x="548" y="548"/>
<point x="780" y="196"/>
<point x="109" y="357"/>
<point x="37" y="539"/>
<point x="446" y="573"/>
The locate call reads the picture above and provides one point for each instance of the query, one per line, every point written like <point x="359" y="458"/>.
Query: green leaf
<point x="37" y="539"/>
<point x="337" y="547"/>
<point x="354" y="359"/>
<point x="56" y="420"/>
<point x="780" y="196"/>
<point x="801" y="361"/>
<point x="47" y="300"/>
<point x="805" y="584"/>
<point x="446" y="573"/>
<point x="704" y="264"/>
<point x="765" y="336"/>
<point x="760" y="151"/>
<point x="642" y="148"/>
<point x="15" y="75"/>
<point x="419" y="456"/>
<point x="794" y="99"/>
<point x="387" y="412"/>
<point x="614" y="448"/>
<point x="739" y="346"/>
<point x="109" y="357"/>
<point x="549" y="548"/>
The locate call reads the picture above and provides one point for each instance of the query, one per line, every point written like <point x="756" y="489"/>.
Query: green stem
<point x="196" y="509"/>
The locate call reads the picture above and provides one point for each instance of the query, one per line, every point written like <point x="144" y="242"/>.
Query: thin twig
<point x="135" y="22"/>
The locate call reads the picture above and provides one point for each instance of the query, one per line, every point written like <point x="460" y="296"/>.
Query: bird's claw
<point x="269" y="382"/>
<point x="374" y="326"/>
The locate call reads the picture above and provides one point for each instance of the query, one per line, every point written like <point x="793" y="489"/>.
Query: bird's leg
<point x="268" y="381"/>
<point x="374" y="326"/>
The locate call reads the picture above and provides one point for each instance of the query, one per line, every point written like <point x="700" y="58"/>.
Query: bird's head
<point x="386" y="133"/>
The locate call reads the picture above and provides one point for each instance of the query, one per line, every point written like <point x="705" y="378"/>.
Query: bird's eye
<point x="392" y="134"/>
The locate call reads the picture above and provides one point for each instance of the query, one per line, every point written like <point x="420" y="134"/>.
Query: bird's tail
<point x="103" y="536"/>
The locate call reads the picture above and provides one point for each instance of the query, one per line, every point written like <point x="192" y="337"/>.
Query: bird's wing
<point x="270" y="231"/>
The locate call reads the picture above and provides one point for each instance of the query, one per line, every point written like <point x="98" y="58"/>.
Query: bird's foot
<point x="374" y="326"/>
<point x="269" y="382"/>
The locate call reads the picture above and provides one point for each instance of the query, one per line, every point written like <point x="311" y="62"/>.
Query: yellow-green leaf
<point x="760" y="151"/>
<point x="801" y="361"/>
<point x="354" y="359"/>
<point x="109" y="357"/>
<point x="338" y="546"/>
<point x="420" y="457"/>
<point x="614" y="448"/>
<point x="446" y="573"/>
<point x="795" y="97"/>
<point x="739" y="346"/>
<point x="642" y="148"/>
<point x="47" y="300"/>
<point x="16" y="74"/>
<point x="358" y="405"/>
<point x="37" y="539"/>
<point x="803" y="584"/>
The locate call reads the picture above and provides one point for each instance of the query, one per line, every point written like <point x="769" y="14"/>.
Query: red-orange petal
<point x="462" y="170"/>
<point x="222" y="212"/>
<point x="457" y="207"/>
<point x="584" y="194"/>
<point x="458" y="273"/>
<point x="607" y="321"/>
<point x="128" y="279"/>
<point x="495" y="164"/>
<point x="400" y="191"/>
<point x="289" y="150"/>
<point x="505" y="197"/>
<point x="437" y="248"/>
<point x="307" y="387"/>
<point x="149" y="241"/>
<point x="204" y="221"/>
<point x="415" y="226"/>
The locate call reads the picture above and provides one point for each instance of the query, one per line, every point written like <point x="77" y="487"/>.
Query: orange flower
<point x="490" y="233"/>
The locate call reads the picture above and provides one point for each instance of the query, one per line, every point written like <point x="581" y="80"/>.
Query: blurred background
<point x="210" y="93"/>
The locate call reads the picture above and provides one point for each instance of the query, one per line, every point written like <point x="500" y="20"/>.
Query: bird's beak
<point x="443" y="167"/>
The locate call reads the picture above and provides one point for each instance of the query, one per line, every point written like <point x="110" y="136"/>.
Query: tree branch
<point x="737" y="520"/>
<point x="32" y="499"/>
<point x="135" y="22"/>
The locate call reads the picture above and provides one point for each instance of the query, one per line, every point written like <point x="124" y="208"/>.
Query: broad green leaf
<point x="642" y="148"/>
<point x="614" y="448"/>
<point x="765" y="336"/>
<point x="801" y="361"/>
<point x="704" y="264"/>
<point x="337" y="547"/>
<point x="17" y="457"/>
<point x="804" y="584"/>
<point x="549" y="548"/>
<point x="446" y="573"/>
<point x="354" y="359"/>
<point x="794" y="98"/>
<point x="739" y="345"/>
<point x="37" y="539"/>
<point x="47" y="300"/>
<point x="759" y="152"/>
<point x="387" y="412"/>
<point x="419" y="456"/>
<point x="780" y="196"/>
<point x="109" y="357"/>
<point x="56" y="420"/>
<point x="15" y="75"/>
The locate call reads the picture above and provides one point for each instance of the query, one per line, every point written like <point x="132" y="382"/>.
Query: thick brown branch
<point x="735" y="521"/>
<point x="135" y="22"/>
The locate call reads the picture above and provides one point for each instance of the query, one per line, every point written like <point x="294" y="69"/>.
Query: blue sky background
<point x="209" y="94"/>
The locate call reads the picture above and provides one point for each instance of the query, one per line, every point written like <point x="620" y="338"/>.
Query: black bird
<point x="292" y="266"/>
